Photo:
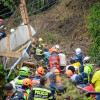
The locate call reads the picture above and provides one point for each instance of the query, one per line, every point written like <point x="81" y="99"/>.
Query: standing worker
<point x="79" y="55"/>
<point x="62" y="61"/>
<point x="54" y="58"/>
<point x="39" y="54"/>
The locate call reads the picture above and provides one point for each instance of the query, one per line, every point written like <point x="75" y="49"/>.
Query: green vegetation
<point x="51" y="38"/>
<point x="3" y="80"/>
<point x="72" y="93"/>
<point x="94" y="31"/>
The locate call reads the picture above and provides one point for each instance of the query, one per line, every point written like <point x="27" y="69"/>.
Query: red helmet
<point x="27" y="82"/>
<point x="40" y="71"/>
<point x="1" y="20"/>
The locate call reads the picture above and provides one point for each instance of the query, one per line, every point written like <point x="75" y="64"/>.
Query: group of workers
<point x="45" y="85"/>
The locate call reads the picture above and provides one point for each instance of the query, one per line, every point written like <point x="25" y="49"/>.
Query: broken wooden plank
<point x="10" y="54"/>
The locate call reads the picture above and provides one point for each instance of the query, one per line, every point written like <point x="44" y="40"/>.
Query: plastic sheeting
<point x="19" y="37"/>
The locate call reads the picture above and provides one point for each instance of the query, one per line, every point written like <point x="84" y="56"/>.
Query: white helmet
<point x="12" y="30"/>
<point x="78" y="51"/>
<point x="87" y="59"/>
<point x="57" y="47"/>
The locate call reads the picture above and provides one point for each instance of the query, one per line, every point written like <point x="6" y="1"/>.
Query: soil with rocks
<point x="69" y="21"/>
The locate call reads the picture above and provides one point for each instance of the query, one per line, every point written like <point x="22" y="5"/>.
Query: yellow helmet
<point x="40" y="39"/>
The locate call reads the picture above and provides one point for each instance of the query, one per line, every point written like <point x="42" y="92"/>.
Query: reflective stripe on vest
<point x="42" y="94"/>
<point x="38" y="52"/>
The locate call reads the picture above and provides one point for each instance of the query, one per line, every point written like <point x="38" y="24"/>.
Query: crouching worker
<point x="40" y="92"/>
<point x="12" y="93"/>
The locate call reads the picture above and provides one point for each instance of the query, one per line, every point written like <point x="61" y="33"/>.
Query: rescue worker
<point x="72" y="69"/>
<point x="76" y="62"/>
<point x="12" y="93"/>
<point x="48" y="74"/>
<point x="57" y="47"/>
<point x="79" y="55"/>
<point x="26" y="87"/>
<point x="90" y="87"/>
<point x="54" y="58"/>
<point x="68" y="73"/>
<point x="96" y="81"/>
<point x="75" y="73"/>
<point x="58" y="77"/>
<point x="88" y="68"/>
<point x="40" y="42"/>
<point x="70" y="63"/>
<point x="85" y="77"/>
<point x="53" y="48"/>
<point x="53" y="84"/>
<point x="39" y="54"/>
<point x="40" y="73"/>
<point x="47" y="55"/>
<point x="62" y="61"/>
<point x="34" y="46"/>
<point x="80" y="81"/>
<point x="24" y="73"/>
<point x="40" y="92"/>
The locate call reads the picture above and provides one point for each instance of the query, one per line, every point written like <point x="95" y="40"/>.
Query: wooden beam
<point x="8" y="46"/>
<point x="25" y="17"/>
<point x="10" y="54"/>
<point x="23" y="47"/>
<point x="29" y="63"/>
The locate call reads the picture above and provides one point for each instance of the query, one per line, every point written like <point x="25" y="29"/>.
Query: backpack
<point x="88" y="68"/>
<point x="18" y="96"/>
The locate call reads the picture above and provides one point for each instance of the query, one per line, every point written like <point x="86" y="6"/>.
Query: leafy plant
<point x="72" y="93"/>
<point x="94" y="31"/>
<point x="51" y="38"/>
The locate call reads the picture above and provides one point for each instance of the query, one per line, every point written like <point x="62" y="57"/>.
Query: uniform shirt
<point x="40" y="92"/>
<point x="18" y="83"/>
<point x="79" y="56"/>
<point x="96" y="81"/>
<point x="36" y="80"/>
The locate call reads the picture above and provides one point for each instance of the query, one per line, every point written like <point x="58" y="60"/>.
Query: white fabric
<point x="17" y="38"/>
<point x="63" y="61"/>
<point x="74" y="76"/>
